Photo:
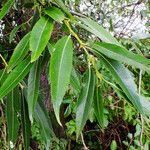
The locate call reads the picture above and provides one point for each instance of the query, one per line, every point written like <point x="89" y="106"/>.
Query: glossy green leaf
<point x="55" y="13"/>
<point x="50" y="48"/>
<point x="26" y="126"/>
<point x="15" y="77"/>
<point x="42" y="118"/>
<point x="98" y="30"/>
<point x="60" y="71"/>
<point x="125" y="80"/>
<point x="13" y="33"/>
<point x="11" y="116"/>
<point x="33" y="87"/>
<point x="40" y="36"/>
<point x="121" y="54"/>
<point x="74" y="80"/>
<point x="62" y="6"/>
<point x="19" y="53"/>
<point x="98" y="106"/>
<point x="85" y="101"/>
<point x="5" y="8"/>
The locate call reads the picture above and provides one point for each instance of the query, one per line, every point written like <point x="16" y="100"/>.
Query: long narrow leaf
<point x="19" y="53"/>
<point x="42" y="118"/>
<point x="40" y="36"/>
<point x="98" y="106"/>
<point x="85" y="101"/>
<point x="121" y="54"/>
<point x="5" y="8"/>
<point x="125" y="80"/>
<point x="60" y="71"/>
<point x="25" y="123"/>
<point x="55" y="13"/>
<point x="11" y="116"/>
<point x="33" y="88"/>
<point x="62" y="6"/>
<point x="98" y="30"/>
<point x="15" y="77"/>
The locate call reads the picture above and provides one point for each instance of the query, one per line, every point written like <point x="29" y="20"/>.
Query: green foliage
<point x="5" y="8"/>
<point x="60" y="71"/>
<point x="88" y="83"/>
<point x="43" y="28"/>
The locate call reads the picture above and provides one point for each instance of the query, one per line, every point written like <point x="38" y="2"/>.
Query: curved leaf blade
<point x="15" y="77"/>
<point x="62" y="6"/>
<point x="98" y="30"/>
<point x="26" y="126"/>
<point x="60" y="71"/>
<point x="55" y="13"/>
<point x="125" y="80"/>
<point x="33" y="87"/>
<point x="40" y="36"/>
<point x="121" y="54"/>
<point x="85" y="101"/>
<point x="19" y="53"/>
<point x="98" y="106"/>
<point x="42" y="118"/>
<point x="6" y="8"/>
<point x="11" y="116"/>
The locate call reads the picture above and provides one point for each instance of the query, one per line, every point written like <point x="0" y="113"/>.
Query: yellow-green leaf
<point x="15" y="77"/>
<point x="55" y="13"/>
<point x="19" y="53"/>
<point x="6" y="8"/>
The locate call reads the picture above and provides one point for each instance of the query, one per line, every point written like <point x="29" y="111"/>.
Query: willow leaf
<point x="62" y="6"/>
<point x="121" y="54"/>
<point x="55" y="13"/>
<point x="42" y="118"/>
<point x="19" y="53"/>
<point x="5" y="8"/>
<point x="98" y="30"/>
<point x="98" y="106"/>
<point x="60" y="71"/>
<point x="40" y="36"/>
<point x="33" y="88"/>
<point x="15" y="77"/>
<point x="11" y="116"/>
<point x="25" y="123"/>
<point x="85" y="101"/>
<point x="125" y="80"/>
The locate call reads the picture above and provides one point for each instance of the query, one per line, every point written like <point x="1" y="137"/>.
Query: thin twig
<point x="85" y="147"/>
<point x="142" y="120"/>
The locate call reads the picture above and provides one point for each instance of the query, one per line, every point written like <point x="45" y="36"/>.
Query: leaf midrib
<point x="15" y="79"/>
<point x="60" y="66"/>
<point x="39" y="39"/>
